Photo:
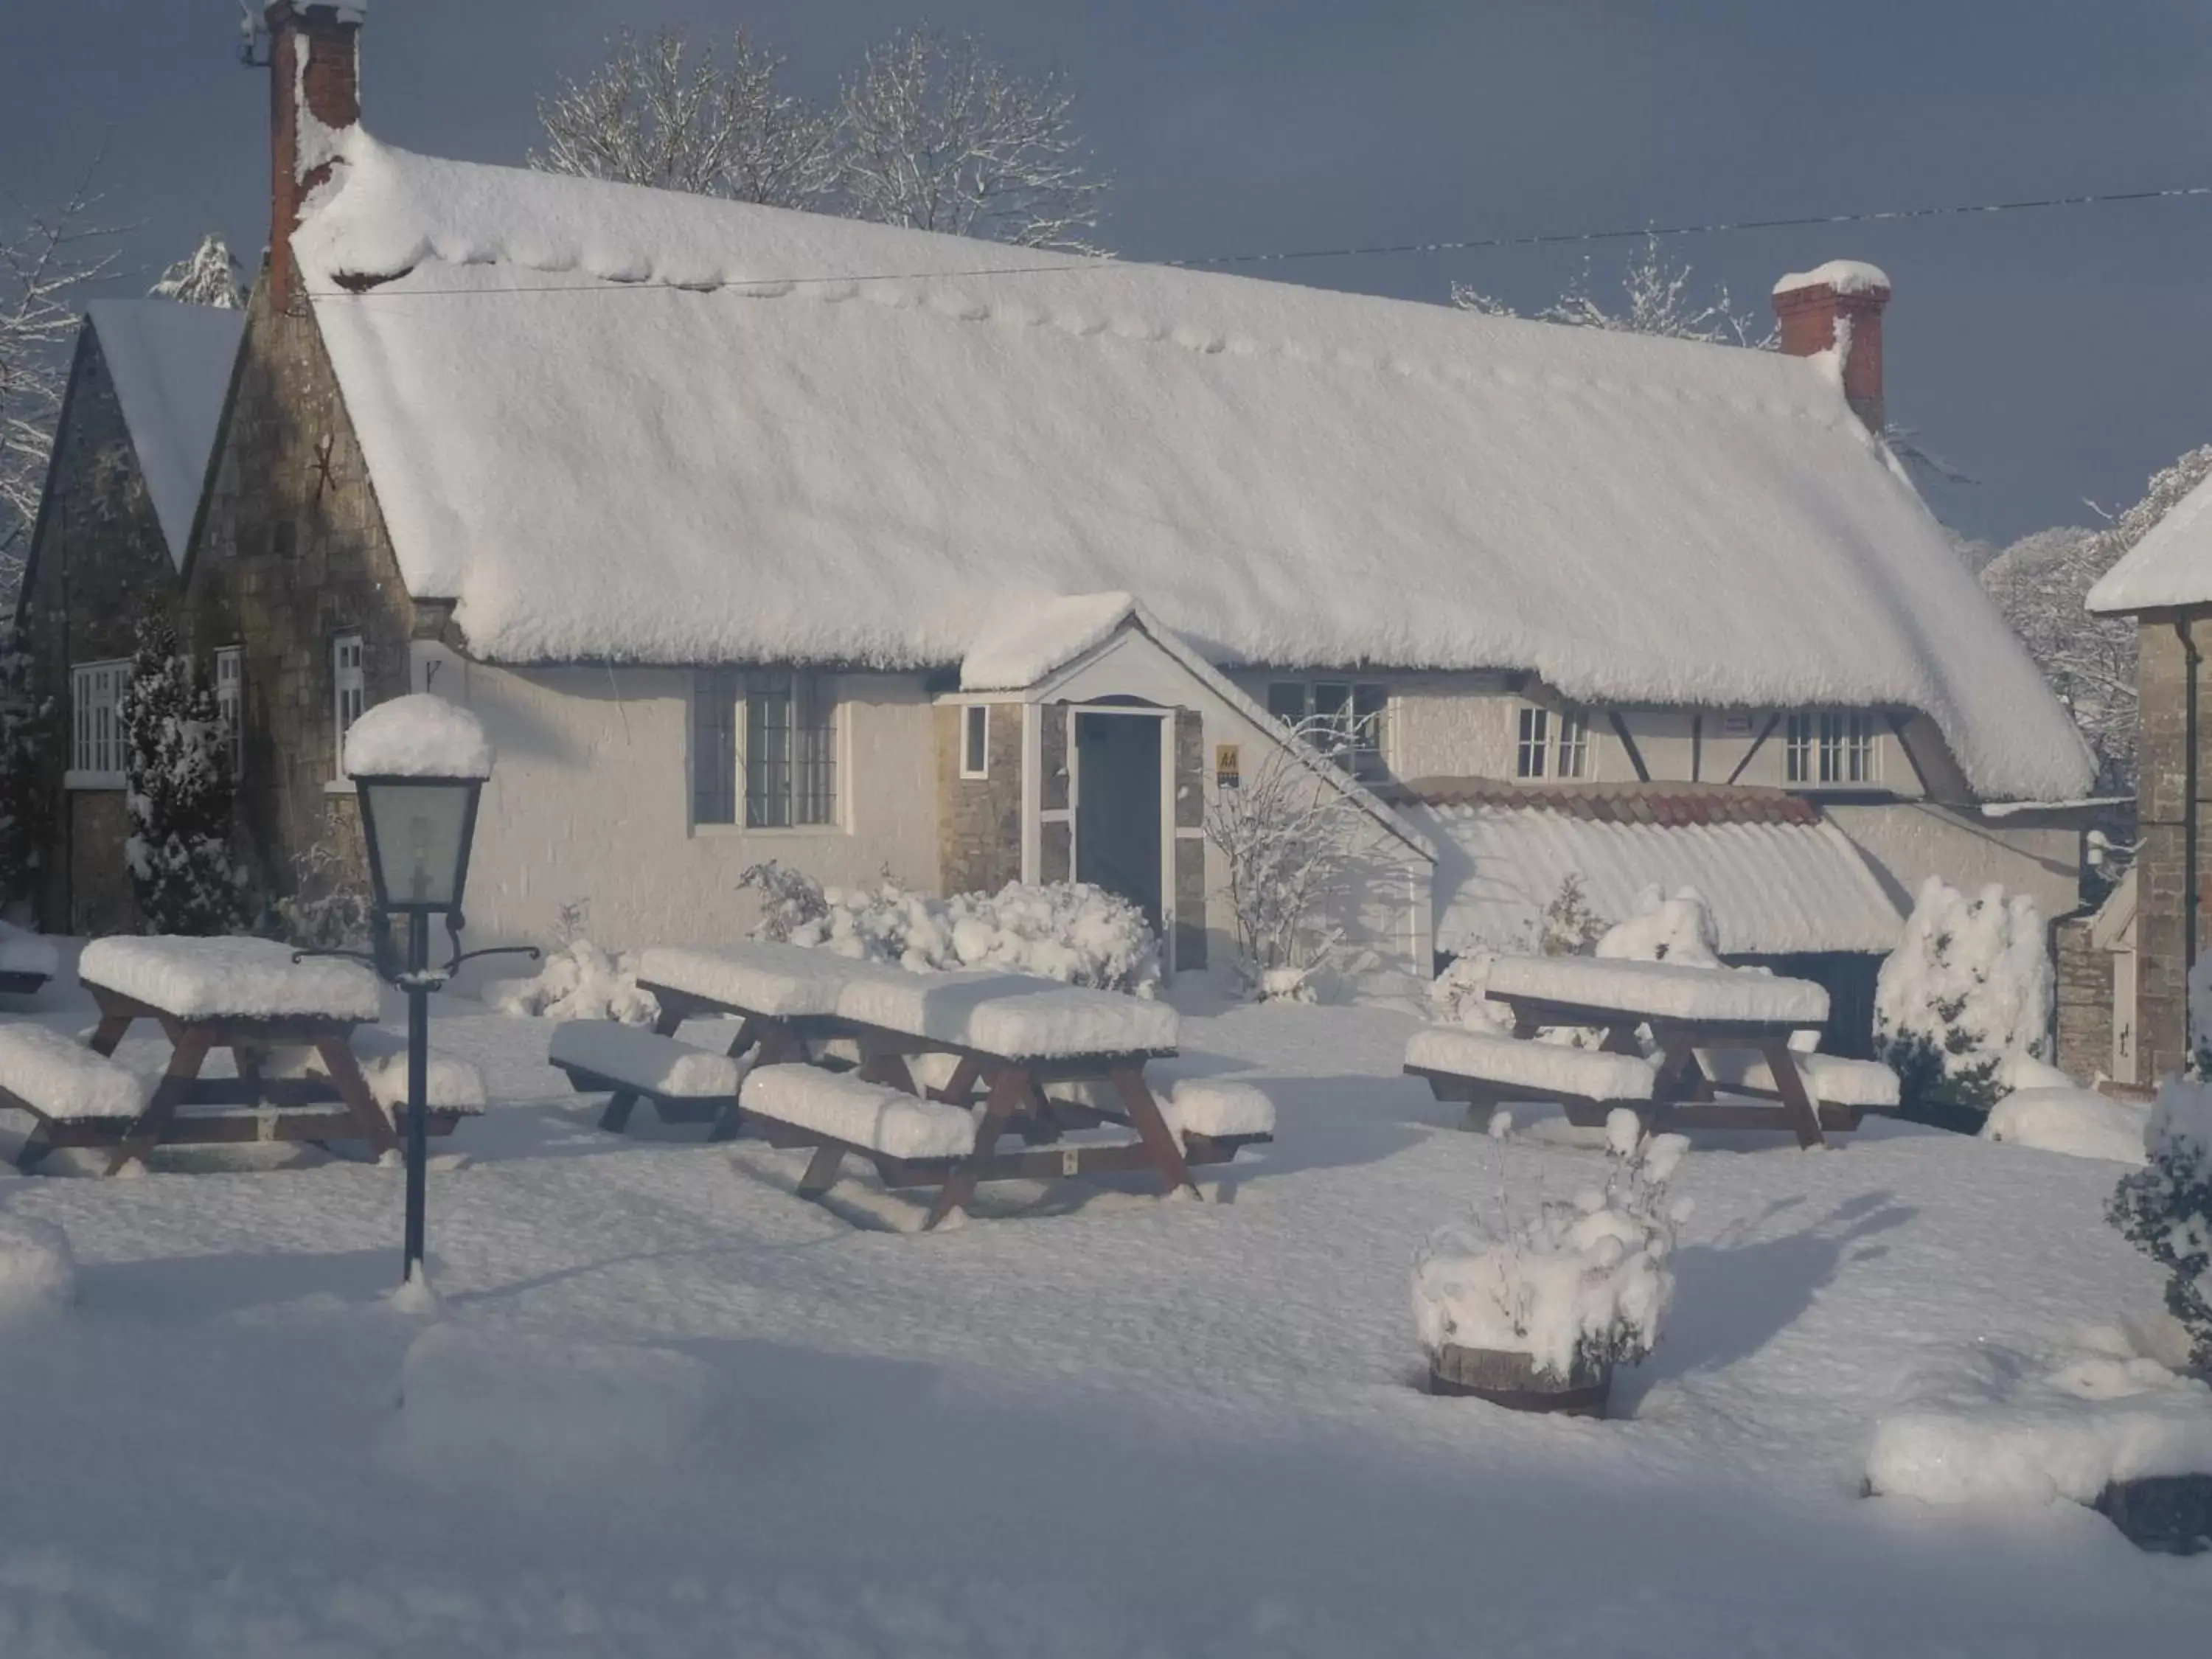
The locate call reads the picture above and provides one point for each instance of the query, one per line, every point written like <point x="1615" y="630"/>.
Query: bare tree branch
<point x="934" y="135"/>
<point x="208" y="276"/>
<point x="658" y="113"/>
<point x="44" y="268"/>
<point x="1656" y="297"/>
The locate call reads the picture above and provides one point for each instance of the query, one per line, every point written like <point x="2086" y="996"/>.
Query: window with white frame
<point x="349" y="693"/>
<point x="1551" y="743"/>
<point x="976" y="740"/>
<point x="96" y="721"/>
<point x="1532" y="745"/>
<point x="230" y="703"/>
<point x="1343" y="719"/>
<point x="1831" y="748"/>
<point x="763" y="749"/>
<point x="1572" y="754"/>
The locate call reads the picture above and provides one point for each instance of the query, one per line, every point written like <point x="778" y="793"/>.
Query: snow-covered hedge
<point x="1584" y="1280"/>
<point x="1968" y="990"/>
<point x="579" y="981"/>
<point x="2164" y="1209"/>
<point x="1068" y="930"/>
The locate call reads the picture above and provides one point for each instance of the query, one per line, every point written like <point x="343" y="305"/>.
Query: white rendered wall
<point x="1909" y="840"/>
<point x="590" y="798"/>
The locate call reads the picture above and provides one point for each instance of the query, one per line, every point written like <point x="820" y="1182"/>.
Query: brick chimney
<point x="314" y="89"/>
<point x="1838" y="307"/>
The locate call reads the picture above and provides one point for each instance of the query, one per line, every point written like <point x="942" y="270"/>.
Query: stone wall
<point x="2085" y="1002"/>
<point x="980" y="819"/>
<point x="2161" y="877"/>
<point x="98" y="565"/>
<point x="293" y="553"/>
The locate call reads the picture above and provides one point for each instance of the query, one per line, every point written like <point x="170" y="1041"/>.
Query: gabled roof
<point x="2171" y="566"/>
<point x="1776" y="888"/>
<point x="619" y="424"/>
<point x="1034" y="649"/>
<point x="170" y="364"/>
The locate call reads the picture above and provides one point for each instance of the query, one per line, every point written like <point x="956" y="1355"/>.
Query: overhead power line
<point x="1352" y="250"/>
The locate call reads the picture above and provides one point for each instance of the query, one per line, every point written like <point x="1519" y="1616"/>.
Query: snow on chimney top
<point x="314" y="94"/>
<point x="1836" y="308"/>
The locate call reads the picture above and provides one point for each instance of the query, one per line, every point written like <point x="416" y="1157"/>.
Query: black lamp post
<point x="419" y="765"/>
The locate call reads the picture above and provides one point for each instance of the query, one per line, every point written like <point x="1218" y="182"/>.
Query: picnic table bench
<point x="27" y="961"/>
<point x="1008" y="1039"/>
<point x="244" y="994"/>
<point x="1713" y="1028"/>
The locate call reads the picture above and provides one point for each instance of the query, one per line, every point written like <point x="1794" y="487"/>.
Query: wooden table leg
<point x="1166" y="1153"/>
<point x="623" y="1102"/>
<point x="186" y="1058"/>
<point x="1008" y="1091"/>
<point x="748" y="1034"/>
<point x="108" y="1033"/>
<point x="960" y="1091"/>
<point x="353" y="1089"/>
<point x="885" y="1065"/>
<point x="1790" y="1084"/>
<point x="821" y="1171"/>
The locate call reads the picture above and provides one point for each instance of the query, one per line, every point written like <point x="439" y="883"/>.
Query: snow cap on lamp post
<point x="419" y="763"/>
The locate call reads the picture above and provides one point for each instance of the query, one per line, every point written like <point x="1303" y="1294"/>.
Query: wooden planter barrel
<point x="1512" y="1380"/>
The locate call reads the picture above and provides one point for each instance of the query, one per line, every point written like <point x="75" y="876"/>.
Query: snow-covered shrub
<point x="22" y="821"/>
<point x="1290" y="838"/>
<point x="1065" y="930"/>
<point x="2164" y="1209"/>
<point x="1458" y="996"/>
<point x="330" y="906"/>
<point x="790" y="899"/>
<point x="1680" y="930"/>
<point x="177" y="788"/>
<point x="1968" y="989"/>
<point x="1583" y="1282"/>
<point x="1567" y="928"/>
<point x="579" y="980"/>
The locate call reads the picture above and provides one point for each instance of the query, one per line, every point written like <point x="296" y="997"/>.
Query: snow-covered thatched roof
<point x="171" y="365"/>
<point x="611" y="423"/>
<point x="2170" y="566"/>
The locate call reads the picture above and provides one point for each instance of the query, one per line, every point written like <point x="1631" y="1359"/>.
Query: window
<point x="1532" y="749"/>
<point x="765" y="743"/>
<point x="1830" y="748"/>
<point x="976" y="741"/>
<point x="230" y="703"/>
<point x="96" y="726"/>
<point x="349" y="694"/>
<point x="1574" y="744"/>
<point x="1343" y="719"/>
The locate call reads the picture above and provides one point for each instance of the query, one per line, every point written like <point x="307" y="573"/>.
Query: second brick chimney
<point x="1837" y="307"/>
<point x="315" y="91"/>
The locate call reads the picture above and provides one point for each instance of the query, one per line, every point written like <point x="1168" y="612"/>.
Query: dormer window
<point x="1832" y="749"/>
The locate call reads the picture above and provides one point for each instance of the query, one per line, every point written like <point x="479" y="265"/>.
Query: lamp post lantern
<point x="418" y="765"/>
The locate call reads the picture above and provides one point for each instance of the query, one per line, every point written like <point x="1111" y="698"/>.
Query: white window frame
<point x="1832" y="749"/>
<point x="729" y="693"/>
<point x="976" y="740"/>
<point x="96" y="747"/>
<point x="230" y="703"/>
<point x="349" y="697"/>
<point x="1532" y="743"/>
<point x="1358" y="743"/>
<point x="1570" y="750"/>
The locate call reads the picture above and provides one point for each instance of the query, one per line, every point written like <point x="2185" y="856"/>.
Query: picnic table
<point x="247" y="995"/>
<point x="1710" y="1029"/>
<point x="1047" y="1061"/>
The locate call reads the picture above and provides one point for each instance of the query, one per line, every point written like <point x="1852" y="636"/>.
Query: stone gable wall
<point x="980" y="819"/>
<point x="99" y="564"/>
<point x="294" y="552"/>
<point x="2160" y="866"/>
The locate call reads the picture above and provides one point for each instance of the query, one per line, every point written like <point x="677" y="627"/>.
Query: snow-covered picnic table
<point x="1709" y="1026"/>
<point x="248" y="995"/>
<point x="1025" y="1045"/>
<point x="27" y="961"/>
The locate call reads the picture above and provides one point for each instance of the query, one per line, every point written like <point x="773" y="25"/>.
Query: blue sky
<point x="2056" y="356"/>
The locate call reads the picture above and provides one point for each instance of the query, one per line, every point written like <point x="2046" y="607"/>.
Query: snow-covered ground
<point x="674" y="1410"/>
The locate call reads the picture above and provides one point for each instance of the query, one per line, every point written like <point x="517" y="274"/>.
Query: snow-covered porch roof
<point x="613" y="423"/>
<point x="1779" y="883"/>
<point x="1034" y="652"/>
